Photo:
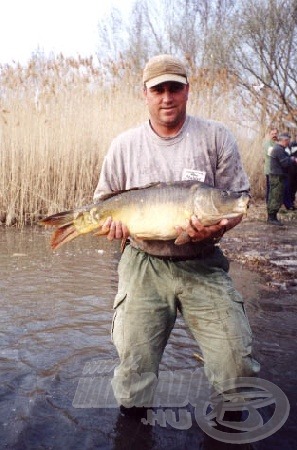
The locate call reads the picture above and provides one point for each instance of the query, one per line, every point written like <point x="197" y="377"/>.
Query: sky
<point x="67" y="26"/>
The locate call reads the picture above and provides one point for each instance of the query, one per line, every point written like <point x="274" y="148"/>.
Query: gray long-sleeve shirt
<point x="280" y="161"/>
<point x="203" y="150"/>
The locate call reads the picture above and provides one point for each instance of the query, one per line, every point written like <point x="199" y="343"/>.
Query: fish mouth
<point x="242" y="198"/>
<point x="241" y="208"/>
<point x="242" y="194"/>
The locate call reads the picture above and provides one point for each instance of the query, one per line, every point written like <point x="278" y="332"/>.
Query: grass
<point x="58" y="118"/>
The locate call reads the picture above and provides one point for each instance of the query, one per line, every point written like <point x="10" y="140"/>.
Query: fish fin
<point x="182" y="238"/>
<point x="62" y="235"/>
<point x="108" y="195"/>
<point x="59" y="219"/>
<point x="198" y="357"/>
<point x="100" y="232"/>
<point x="123" y="244"/>
<point x="136" y="238"/>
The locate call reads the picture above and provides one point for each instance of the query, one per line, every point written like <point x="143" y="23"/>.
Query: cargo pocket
<point x="237" y="313"/>
<point x="246" y="319"/>
<point x="117" y="318"/>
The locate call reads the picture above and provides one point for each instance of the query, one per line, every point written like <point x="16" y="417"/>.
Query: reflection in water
<point x="56" y="311"/>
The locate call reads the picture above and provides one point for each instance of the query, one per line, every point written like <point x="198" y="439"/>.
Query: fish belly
<point x="153" y="222"/>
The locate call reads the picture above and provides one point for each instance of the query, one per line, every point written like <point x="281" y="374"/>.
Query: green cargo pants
<point x="150" y="292"/>
<point x="276" y="193"/>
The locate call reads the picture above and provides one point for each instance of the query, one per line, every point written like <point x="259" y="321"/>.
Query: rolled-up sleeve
<point x="112" y="174"/>
<point x="230" y="173"/>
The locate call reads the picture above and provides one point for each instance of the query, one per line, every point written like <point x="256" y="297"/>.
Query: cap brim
<point x="166" y="77"/>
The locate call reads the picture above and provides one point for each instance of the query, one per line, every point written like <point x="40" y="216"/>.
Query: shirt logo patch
<point x="191" y="174"/>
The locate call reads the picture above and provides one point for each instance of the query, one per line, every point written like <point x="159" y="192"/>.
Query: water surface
<point x="56" y="312"/>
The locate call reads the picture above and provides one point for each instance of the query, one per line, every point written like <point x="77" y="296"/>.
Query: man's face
<point x="286" y="142"/>
<point x="273" y="134"/>
<point x="167" y="103"/>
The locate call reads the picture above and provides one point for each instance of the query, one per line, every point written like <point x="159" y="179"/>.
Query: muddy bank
<point x="266" y="249"/>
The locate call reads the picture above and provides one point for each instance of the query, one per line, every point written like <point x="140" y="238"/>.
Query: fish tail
<point x="59" y="219"/>
<point x="66" y="231"/>
<point x="62" y="235"/>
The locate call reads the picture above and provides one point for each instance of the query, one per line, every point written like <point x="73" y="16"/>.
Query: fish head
<point x="86" y="219"/>
<point x="213" y="205"/>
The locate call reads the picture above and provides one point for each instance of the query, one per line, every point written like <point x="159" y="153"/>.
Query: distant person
<point x="268" y="145"/>
<point x="280" y="162"/>
<point x="292" y="178"/>
<point x="287" y="195"/>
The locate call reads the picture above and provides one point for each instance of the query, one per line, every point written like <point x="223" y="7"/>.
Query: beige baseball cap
<point x="162" y="68"/>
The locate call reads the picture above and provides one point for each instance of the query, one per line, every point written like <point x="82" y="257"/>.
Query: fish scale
<point x="150" y="213"/>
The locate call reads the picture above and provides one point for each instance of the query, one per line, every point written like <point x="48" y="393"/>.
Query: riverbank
<point x="266" y="249"/>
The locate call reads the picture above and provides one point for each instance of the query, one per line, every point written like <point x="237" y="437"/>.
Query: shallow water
<point x="56" y="311"/>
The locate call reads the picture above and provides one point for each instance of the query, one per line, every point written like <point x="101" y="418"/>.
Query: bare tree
<point x="192" y="29"/>
<point x="265" y="57"/>
<point x="253" y="43"/>
<point x="111" y="36"/>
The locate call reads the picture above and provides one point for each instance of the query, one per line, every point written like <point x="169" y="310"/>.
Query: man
<point x="280" y="162"/>
<point x="158" y="278"/>
<point x="267" y="147"/>
<point x="292" y="177"/>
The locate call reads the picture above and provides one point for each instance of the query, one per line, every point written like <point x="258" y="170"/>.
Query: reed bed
<point x="57" y="120"/>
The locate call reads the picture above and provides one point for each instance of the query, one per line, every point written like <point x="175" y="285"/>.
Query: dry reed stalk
<point x="57" y="121"/>
<point x="55" y="136"/>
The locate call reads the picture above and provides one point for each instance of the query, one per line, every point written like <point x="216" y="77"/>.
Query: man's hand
<point x="114" y="230"/>
<point x="198" y="232"/>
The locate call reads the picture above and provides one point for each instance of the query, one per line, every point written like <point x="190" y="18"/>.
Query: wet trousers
<point x="151" y="291"/>
<point x="276" y="193"/>
<point x="292" y="181"/>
